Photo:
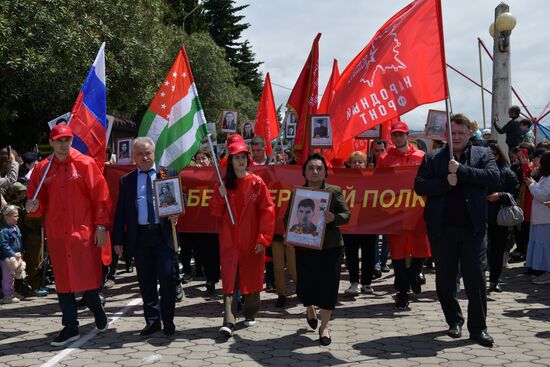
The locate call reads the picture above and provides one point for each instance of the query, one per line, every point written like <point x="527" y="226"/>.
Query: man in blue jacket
<point x="456" y="220"/>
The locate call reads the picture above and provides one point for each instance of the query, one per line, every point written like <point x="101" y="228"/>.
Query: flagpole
<point x="48" y="167"/>
<point x="220" y="177"/>
<point x="449" y="129"/>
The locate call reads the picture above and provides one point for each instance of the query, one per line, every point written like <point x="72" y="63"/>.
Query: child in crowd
<point x="538" y="253"/>
<point x="12" y="264"/>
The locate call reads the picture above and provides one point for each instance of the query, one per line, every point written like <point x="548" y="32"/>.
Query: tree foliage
<point x="47" y="48"/>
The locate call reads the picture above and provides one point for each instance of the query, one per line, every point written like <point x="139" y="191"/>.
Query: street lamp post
<point x="501" y="30"/>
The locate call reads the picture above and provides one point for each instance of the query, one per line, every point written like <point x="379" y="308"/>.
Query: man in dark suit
<point x="456" y="220"/>
<point x="148" y="239"/>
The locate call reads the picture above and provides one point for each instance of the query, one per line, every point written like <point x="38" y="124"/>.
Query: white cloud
<point x="281" y="33"/>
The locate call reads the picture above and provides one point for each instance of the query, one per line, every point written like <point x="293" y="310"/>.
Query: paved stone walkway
<point x="366" y="331"/>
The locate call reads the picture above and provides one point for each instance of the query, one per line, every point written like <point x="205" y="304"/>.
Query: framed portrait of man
<point x="306" y="223"/>
<point x="436" y="125"/>
<point x="124" y="151"/>
<point x="374" y="133"/>
<point x="229" y="120"/>
<point x="168" y="197"/>
<point x="320" y="131"/>
<point x="247" y="130"/>
<point x="290" y="131"/>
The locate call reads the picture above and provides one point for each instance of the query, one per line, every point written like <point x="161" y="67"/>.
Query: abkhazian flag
<point x="175" y="119"/>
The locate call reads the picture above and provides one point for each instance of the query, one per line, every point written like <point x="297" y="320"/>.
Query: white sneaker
<point x="10" y="299"/>
<point x="542" y="279"/>
<point x="354" y="289"/>
<point x="109" y="283"/>
<point x="367" y="289"/>
<point x="249" y="322"/>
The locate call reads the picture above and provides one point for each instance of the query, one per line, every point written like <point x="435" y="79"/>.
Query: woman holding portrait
<point x="318" y="271"/>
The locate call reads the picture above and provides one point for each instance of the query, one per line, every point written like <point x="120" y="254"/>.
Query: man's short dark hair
<point x="526" y="122"/>
<point x="306" y="203"/>
<point x="380" y="141"/>
<point x="461" y="119"/>
<point x="258" y="140"/>
<point x="515" y="109"/>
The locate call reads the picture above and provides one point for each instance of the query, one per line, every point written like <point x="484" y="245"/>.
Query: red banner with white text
<point x="381" y="201"/>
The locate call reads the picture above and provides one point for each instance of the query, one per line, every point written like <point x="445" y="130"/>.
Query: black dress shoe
<point x="150" y="329"/>
<point x="312" y="323"/>
<point x="324" y="340"/>
<point x="495" y="287"/>
<point x="482" y="338"/>
<point x="455" y="331"/>
<point x="281" y="302"/>
<point x="169" y="330"/>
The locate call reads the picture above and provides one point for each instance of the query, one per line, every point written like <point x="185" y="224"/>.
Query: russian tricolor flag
<point x="89" y="113"/>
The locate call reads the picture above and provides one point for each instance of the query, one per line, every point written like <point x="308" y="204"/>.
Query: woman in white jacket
<point x="538" y="253"/>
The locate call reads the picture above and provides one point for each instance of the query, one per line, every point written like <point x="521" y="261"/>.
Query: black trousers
<point x="496" y="241"/>
<point x="155" y="261"/>
<point x="67" y="303"/>
<point x="207" y="248"/>
<point x="405" y="278"/>
<point x="368" y="245"/>
<point x="454" y="246"/>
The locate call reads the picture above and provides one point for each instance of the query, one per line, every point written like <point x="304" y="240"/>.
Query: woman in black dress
<point x="319" y="271"/>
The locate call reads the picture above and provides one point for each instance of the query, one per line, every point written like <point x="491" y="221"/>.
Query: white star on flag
<point x="162" y="94"/>
<point x="163" y="106"/>
<point x="174" y="74"/>
<point x="167" y="83"/>
<point x="183" y="74"/>
<point x="173" y="88"/>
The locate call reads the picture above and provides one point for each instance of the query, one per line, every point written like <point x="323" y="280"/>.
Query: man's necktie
<point x="149" y="194"/>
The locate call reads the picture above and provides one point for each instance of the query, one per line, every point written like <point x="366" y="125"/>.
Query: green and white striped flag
<point x="175" y="119"/>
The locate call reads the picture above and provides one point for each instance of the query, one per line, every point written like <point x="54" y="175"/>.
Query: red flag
<point x="401" y="68"/>
<point x="267" y="123"/>
<point x="328" y="96"/>
<point x="303" y="101"/>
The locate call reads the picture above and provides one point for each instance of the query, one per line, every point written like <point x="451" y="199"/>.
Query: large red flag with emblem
<point x="401" y="68"/>
<point x="267" y="123"/>
<point x="303" y="101"/>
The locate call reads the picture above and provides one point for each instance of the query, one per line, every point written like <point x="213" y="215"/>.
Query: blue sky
<point x="281" y="33"/>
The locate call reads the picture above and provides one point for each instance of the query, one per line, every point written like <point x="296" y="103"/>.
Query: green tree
<point x="225" y="26"/>
<point x="47" y="47"/>
<point x="191" y="10"/>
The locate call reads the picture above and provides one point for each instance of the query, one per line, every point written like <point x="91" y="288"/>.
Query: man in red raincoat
<point x="413" y="243"/>
<point x="242" y="244"/>
<point x="75" y="204"/>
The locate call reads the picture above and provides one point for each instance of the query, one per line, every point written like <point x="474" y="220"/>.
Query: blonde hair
<point x="474" y="125"/>
<point x="357" y="155"/>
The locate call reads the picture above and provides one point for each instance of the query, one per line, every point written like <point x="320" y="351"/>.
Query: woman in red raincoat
<point x="242" y="244"/>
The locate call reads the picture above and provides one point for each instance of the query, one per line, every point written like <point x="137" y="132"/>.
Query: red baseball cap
<point x="234" y="138"/>
<point x="236" y="148"/>
<point x="399" y="126"/>
<point x="60" y="131"/>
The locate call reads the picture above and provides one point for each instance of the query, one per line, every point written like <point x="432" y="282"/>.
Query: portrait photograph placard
<point x="374" y="133"/>
<point x="247" y="130"/>
<point x="168" y="197"/>
<point x="306" y="223"/>
<point x="436" y="125"/>
<point x="321" y="131"/>
<point x="124" y="151"/>
<point x="229" y="120"/>
<point x="290" y="131"/>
